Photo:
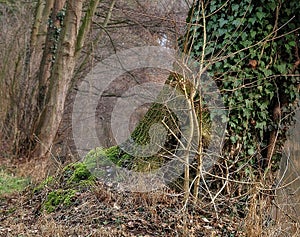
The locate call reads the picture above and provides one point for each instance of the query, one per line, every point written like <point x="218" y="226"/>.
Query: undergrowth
<point x="60" y="192"/>
<point x="10" y="183"/>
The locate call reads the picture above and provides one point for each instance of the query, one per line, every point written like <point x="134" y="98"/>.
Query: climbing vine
<point x="252" y="52"/>
<point x="56" y="25"/>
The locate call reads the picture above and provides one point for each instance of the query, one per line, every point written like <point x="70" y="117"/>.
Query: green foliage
<point x="57" y="198"/>
<point x="98" y="159"/>
<point x="102" y="157"/>
<point x="10" y="183"/>
<point x="250" y="51"/>
<point x="113" y="153"/>
<point x="56" y="26"/>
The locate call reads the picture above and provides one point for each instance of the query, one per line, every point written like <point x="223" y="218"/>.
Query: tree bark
<point x="59" y="82"/>
<point x="55" y="25"/>
<point x="27" y="107"/>
<point x="86" y="24"/>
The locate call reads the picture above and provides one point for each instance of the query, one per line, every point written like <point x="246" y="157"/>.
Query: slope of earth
<point x="74" y="204"/>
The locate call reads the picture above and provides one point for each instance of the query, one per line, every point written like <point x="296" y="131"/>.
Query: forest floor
<point x="95" y="209"/>
<point x="42" y="198"/>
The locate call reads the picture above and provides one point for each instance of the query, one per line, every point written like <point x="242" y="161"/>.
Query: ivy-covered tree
<point x="251" y="49"/>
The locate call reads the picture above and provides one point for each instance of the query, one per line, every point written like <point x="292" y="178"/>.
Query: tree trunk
<point x="49" y="54"/>
<point x="86" y="24"/>
<point x="27" y="107"/>
<point x="59" y="81"/>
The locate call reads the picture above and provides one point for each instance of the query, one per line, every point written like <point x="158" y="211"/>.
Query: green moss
<point x="98" y="157"/>
<point x="57" y="198"/>
<point x="48" y="181"/>
<point x="63" y="188"/>
<point x="77" y="172"/>
<point x="101" y="157"/>
<point x="113" y="153"/>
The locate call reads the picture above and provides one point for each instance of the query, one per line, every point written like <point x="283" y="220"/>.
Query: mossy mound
<point x="61" y="191"/>
<point x="77" y="173"/>
<point x="58" y="198"/>
<point x="97" y="161"/>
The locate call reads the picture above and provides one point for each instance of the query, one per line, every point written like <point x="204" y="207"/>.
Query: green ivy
<point x="238" y="32"/>
<point x="56" y="30"/>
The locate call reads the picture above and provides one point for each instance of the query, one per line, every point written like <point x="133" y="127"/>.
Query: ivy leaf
<point x="261" y="125"/>
<point x="251" y="151"/>
<point x="246" y="43"/>
<point x="252" y="34"/>
<point x="281" y="68"/>
<point x="272" y="5"/>
<point x="252" y="20"/>
<point x="236" y="22"/>
<point x="268" y="72"/>
<point x="247" y="114"/>
<point x="235" y="7"/>
<point x="218" y="65"/>
<point x="222" y="31"/>
<point x="269" y="92"/>
<point x="249" y="103"/>
<point x="269" y="27"/>
<point x="233" y="139"/>
<point x="292" y="43"/>
<point x="213" y="7"/>
<point x="263" y="106"/>
<point x="262" y="115"/>
<point x="260" y="15"/>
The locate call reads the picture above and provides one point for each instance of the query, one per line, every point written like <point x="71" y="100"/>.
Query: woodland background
<point x="249" y="48"/>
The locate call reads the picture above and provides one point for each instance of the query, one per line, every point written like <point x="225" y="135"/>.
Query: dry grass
<point x="102" y="211"/>
<point x="280" y="217"/>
